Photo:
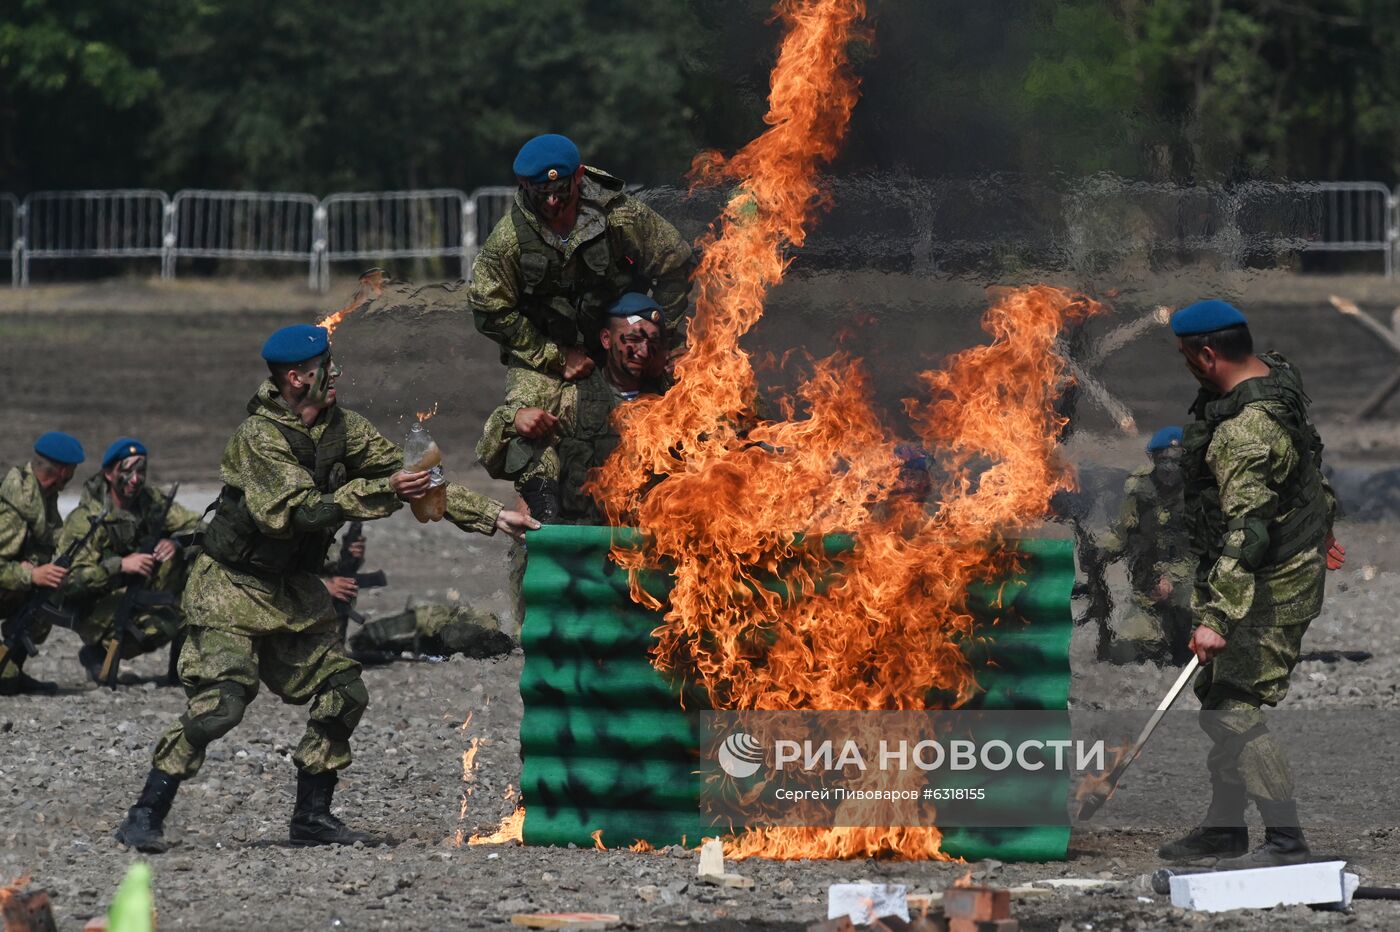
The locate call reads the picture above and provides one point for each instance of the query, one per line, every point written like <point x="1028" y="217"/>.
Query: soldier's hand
<point x="516" y="523"/>
<point x="410" y="486"/>
<point x="577" y="364"/>
<point x="139" y="564"/>
<point x="48" y="576"/>
<point x="535" y="423"/>
<point x="342" y="588"/>
<point x="1163" y="590"/>
<point x="357" y="548"/>
<point x="1336" y="553"/>
<point x="164" y="551"/>
<point x="1205" y="644"/>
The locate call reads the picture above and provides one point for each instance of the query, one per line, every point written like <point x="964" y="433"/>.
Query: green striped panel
<point x="605" y="739"/>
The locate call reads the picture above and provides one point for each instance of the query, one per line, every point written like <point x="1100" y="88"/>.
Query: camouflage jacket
<point x="586" y="441"/>
<point x="97" y="566"/>
<point x="29" y="524"/>
<point x="660" y="256"/>
<point x="259" y="461"/>
<point x="1151" y="534"/>
<point x="1250" y="457"/>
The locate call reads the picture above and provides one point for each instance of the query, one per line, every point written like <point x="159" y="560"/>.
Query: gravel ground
<point x="69" y="766"/>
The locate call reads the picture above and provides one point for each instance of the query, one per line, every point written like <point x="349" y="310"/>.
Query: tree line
<point x="352" y="95"/>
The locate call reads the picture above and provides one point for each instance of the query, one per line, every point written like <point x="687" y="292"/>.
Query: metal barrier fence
<point x="9" y="231"/>
<point x="394" y="225"/>
<point x="122" y="224"/>
<point x="488" y="206"/>
<point x="942" y="225"/>
<point x="247" y="225"/>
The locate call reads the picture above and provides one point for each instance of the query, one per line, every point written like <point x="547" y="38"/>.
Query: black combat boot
<point x="312" y="822"/>
<point x="1283" y="839"/>
<point x="22" y="683"/>
<point x="542" y="498"/>
<point x="144" y="826"/>
<point x="92" y="656"/>
<point x="1222" y="834"/>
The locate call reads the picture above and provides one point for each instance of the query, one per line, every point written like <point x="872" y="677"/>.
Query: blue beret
<point x="60" y="447"/>
<point x="1166" y="437"/>
<point x="635" y="304"/>
<point x="544" y="154"/>
<point x="121" y="448"/>
<point x="296" y="343"/>
<point x="1206" y="317"/>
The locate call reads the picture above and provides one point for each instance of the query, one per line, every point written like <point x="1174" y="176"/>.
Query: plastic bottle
<point x="421" y="452"/>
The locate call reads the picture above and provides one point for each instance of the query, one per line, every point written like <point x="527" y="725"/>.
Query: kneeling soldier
<point x="255" y="609"/>
<point x="126" y="582"/>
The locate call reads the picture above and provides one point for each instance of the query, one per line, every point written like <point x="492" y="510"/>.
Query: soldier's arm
<point x="1245" y="455"/>
<point x="494" y="298"/>
<point x="663" y="257"/>
<point x="472" y="511"/>
<point x="13" y="530"/>
<point x="95" y="571"/>
<point x="1115" y="542"/>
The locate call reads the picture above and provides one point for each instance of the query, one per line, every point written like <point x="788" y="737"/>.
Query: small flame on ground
<point x="371" y="286"/>
<point x="510" y="831"/>
<point x="597" y="837"/>
<point x="1094" y="784"/>
<point x="427" y="415"/>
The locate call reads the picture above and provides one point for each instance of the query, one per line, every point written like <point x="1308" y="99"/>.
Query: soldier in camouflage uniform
<point x="579" y="434"/>
<point x="255" y="609"/>
<point x="573" y="242"/>
<point x="111" y="559"/>
<point x="1260" y="519"/>
<point x="29" y="524"/>
<point x="1150" y="535"/>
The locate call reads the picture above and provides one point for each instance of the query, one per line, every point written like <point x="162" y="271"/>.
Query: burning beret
<point x="296" y="343"/>
<point x="636" y="304"/>
<point x="121" y="448"/>
<point x="1206" y="317"/>
<point x="1166" y="437"/>
<point x="546" y="158"/>
<point x="59" y="447"/>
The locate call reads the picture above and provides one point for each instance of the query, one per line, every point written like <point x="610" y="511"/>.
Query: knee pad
<point x="342" y="701"/>
<point x="213" y="713"/>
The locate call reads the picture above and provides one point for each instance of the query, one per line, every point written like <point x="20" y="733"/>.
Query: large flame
<point x="744" y="501"/>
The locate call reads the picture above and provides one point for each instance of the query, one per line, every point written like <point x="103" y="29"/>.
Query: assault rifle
<point x="1094" y="588"/>
<point x="138" y="595"/>
<point x="43" y="605"/>
<point x="349" y="565"/>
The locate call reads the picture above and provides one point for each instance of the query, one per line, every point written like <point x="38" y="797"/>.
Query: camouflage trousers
<point x="1244" y="760"/>
<point x="508" y="456"/>
<point x="221" y="671"/>
<point x="153" y="625"/>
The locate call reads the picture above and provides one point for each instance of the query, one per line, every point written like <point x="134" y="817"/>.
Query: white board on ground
<point x="1261" y="888"/>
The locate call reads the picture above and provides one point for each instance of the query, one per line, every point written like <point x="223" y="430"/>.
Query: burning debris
<point x="371" y="286"/>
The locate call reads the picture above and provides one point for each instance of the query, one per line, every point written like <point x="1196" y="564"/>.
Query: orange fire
<point x="371" y="286"/>
<point x="511" y="830"/>
<point x="744" y="501"/>
<point x="427" y="415"/>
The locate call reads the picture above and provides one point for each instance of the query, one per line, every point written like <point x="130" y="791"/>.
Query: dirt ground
<point x="173" y="364"/>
